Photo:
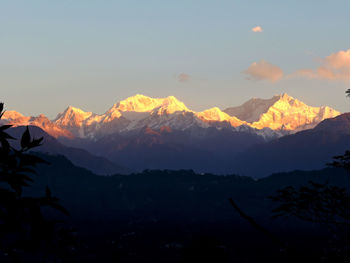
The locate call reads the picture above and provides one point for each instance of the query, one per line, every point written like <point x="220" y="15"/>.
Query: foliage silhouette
<point x="23" y="225"/>
<point x="342" y="161"/>
<point x="347" y="92"/>
<point x="319" y="203"/>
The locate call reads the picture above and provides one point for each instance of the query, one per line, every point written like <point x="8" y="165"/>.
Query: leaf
<point x="5" y="144"/>
<point x="60" y="208"/>
<point x="25" y="140"/>
<point x="6" y="136"/>
<point x="17" y="187"/>
<point x="35" y="142"/>
<point x="25" y="177"/>
<point x="5" y="127"/>
<point x="48" y="192"/>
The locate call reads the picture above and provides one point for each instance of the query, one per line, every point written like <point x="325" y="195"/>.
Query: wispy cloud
<point x="339" y="60"/>
<point x="333" y="67"/>
<point x="257" y="29"/>
<point x="183" y="77"/>
<point x="264" y="70"/>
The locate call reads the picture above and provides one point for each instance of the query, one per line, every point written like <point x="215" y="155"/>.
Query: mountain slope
<point x="251" y="110"/>
<point x="281" y="112"/>
<point x="202" y="149"/>
<point x="269" y="118"/>
<point x="17" y="119"/>
<point x="216" y="115"/>
<point x="309" y="149"/>
<point x="79" y="157"/>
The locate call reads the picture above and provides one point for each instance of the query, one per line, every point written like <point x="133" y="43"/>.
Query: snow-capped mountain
<point x="141" y="103"/>
<point x="311" y="149"/>
<point x="41" y="121"/>
<point x="266" y="117"/>
<point x="216" y="115"/>
<point x="281" y="112"/>
<point x="251" y="110"/>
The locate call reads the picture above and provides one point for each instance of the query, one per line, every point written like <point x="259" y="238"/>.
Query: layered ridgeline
<point x="268" y="118"/>
<point x="147" y="133"/>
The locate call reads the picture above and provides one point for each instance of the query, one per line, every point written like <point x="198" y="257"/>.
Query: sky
<point x="91" y="54"/>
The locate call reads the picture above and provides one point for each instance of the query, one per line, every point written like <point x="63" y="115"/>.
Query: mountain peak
<point x="213" y="114"/>
<point x="216" y="115"/>
<point x="292" y="114"/>
<point x="138" y="103"/>
<point x="285" y="96"/>
<point x="72" y="116"/>
<point x="251" y="110"/>
<point x="12" y="115"/>
<point x="171" y="104"/>
<point x="276" y="113"/>
<point x="72" y="108"/>
<point x="280" y="111"/>
<point x="142" y="103"/>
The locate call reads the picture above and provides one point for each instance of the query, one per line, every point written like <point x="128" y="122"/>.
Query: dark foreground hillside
<point x="178" y="216"/>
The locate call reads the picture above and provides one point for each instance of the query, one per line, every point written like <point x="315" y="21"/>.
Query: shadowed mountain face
<point x="310" y="149"/>
<point x="251" y="110"/>
<point x="204" y="150"/>
<point x="79" y="157"/>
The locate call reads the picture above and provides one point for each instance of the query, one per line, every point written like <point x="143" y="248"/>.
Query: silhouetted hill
<point x="165" y="189"/>
<point x="305" y="150"/>
<point x="200" y="149"/>
<point x="79" y="157"/>
<point x="155" y="215"/>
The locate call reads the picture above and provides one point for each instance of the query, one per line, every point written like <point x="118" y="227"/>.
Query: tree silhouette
<point x="347" y="92"/>
<point x="342" y="161"/>
<point x="23" y="225"/>
<point x="318" y="203"/>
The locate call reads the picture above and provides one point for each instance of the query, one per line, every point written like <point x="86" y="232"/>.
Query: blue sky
<point x="91" y="54"/>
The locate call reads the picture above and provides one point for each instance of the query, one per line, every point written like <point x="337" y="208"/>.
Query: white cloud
<point x="339" y="60"/>
<point x="257" y="29"/>
<point x="334" y="67"/>
<point x="263" y="70"/>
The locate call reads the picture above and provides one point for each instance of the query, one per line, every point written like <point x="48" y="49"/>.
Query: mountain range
<point x="258" y="138"/>
<point x="269" y="118"/>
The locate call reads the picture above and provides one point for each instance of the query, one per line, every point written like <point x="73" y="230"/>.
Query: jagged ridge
<point x="281" y="112"/>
